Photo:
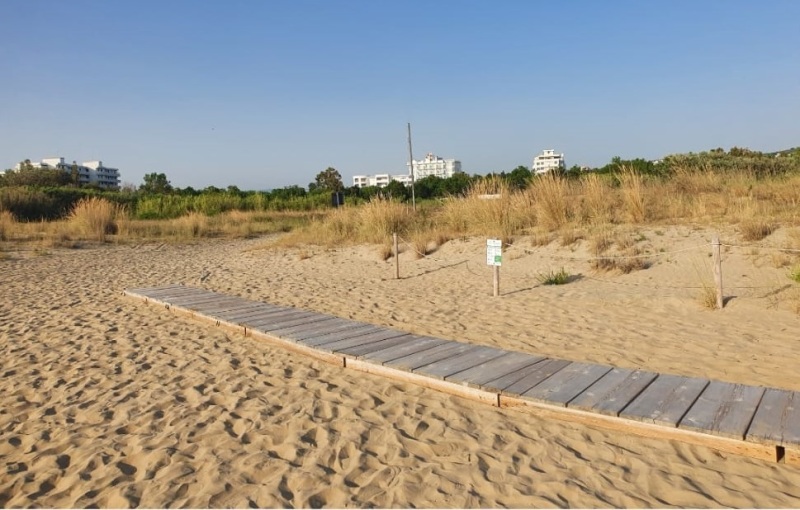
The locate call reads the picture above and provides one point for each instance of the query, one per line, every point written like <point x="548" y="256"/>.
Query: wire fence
<point x="703" y="280"/>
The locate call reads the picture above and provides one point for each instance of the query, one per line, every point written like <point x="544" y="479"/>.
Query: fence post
<point x="717" y="263"/>
<point x="496" y="281"/>
<point x="396" y="258"/>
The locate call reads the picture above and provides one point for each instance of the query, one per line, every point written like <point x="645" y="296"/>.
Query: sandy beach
<point x="107" y="401"/>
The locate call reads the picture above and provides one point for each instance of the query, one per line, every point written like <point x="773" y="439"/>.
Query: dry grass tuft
<point x="632" y="187"/>
<point x="7" y="224"/>
<point x="597" y="199"/>
<point x="600" y="243"/>
<point x="570" y="236"/>
<point x="95" y="218"/>
<point x="551" y="196"/>
<point x="541" y="238"/>
<point x="707" y="296"/>
<point x="755" y="230"/>
<point x="628" y="262"/>
<point x="386" y="251"/>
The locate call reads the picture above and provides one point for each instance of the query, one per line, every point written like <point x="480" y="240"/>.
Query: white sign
<point x="494" y="252"/>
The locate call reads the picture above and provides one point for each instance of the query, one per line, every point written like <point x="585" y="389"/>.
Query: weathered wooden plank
<point x="527" y="378"/>
<point x="418" y="359"/>
<point x="665" y="400"/>
<point x="169" y="298"/>
<point x="612" y="392"/>
<point x="272" y="325"/>
<point x="223" y="305"/>
<point x="307" y="336"/>
<point x="210" y="307"/>
<point x="318" y="339"/>
<point x="479" y="375"/>
<point x="359" y="351"/>
<point x="192" y="299"/>
<point x="340" y="346"/>
<point x="458" y="363"/>
<point x="329" y="325"/>
<point x="567" y="383"/>
<point x="724" y="409"/>
<point x="276" y="316"/>
<point x="266" y="311"/>
<point x="414" y="345"/>
<point x="777" y="419"/>
<point x="251" y="308"/>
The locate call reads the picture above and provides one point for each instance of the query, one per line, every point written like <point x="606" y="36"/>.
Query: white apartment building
<point x="431" y="165"/>
<point x="380" y="180"/>
<point x="548" y="160"/>
<point x="90" y="172"/>
<point x="434" y="165"/>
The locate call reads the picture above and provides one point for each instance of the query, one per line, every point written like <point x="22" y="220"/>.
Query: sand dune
<point x="107" y="401"/>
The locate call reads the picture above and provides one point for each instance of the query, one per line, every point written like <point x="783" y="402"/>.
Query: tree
<point x="74" y="174"/>
<point x="155" y="183"/>
<point x="329" y="179"/>
<point x="519" y="178"/>
<point x="396" y="189"/>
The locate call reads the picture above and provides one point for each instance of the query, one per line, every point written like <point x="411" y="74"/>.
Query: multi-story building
<point x="431" y="165"/>
<point x="434" y="165"/>
<point x="380" y="180"/>
<point x="548" y="160"/>
<point x="90" y="172"/>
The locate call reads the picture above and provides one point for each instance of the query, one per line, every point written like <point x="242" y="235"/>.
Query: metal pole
<point x="411" y="166"/>
<point x="496" y="281"/>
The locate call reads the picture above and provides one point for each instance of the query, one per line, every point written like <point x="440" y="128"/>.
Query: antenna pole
<point x="411" y="166"/>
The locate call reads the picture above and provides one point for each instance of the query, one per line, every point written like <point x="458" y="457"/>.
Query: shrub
<point x="95" y="217"/>
<point x="553" y="277"/>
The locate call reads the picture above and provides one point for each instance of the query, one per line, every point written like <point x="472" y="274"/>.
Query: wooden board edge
<point x="333" y="359"/>
<point x="424" y="381"/>
<point x="791" y="456"/>
<point x="643" y="429"/>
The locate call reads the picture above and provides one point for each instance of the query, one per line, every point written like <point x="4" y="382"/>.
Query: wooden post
<point x="717" y="263"/>
<point x="396" y="258"/>
<point x="496" y="281"/>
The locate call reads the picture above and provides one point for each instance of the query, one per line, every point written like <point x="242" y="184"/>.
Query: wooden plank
<point x="276" y="316"/>
<point x="329" y="325"/>
<point x="777" y="409"/>
<point x="612" y="392"/>
<point x="723" y="409"/>
<point x="307" y="336"/>
<point x="567" y="383"/>
<point x="522" y="381"/>
<point x="253" y="307"/>
<point x="252" y="315"/>
<point x="316" y="339"/>
<point x="211" y="307"/>
<point x="270" y="325"/>
<point x="455" y="364"/>
<point x="192" y="298"/>
<point x="414" y="345"/>
<point x="224" y="305"/>
<point x="166" y="290"/>
<point x="361" y="351"/>
<point x="640" y="428"/>
<point x="418" y="359"/>
<point x="342" y="345"/>
<point x="479" y="375"/>
<point x="420" y="380"/>
<point x="666" y="400"/>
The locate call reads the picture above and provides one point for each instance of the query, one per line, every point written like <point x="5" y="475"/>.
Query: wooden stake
<point x="717" y="263"/>
<point x="496" y="281"/>
<point x="396" y="258"/>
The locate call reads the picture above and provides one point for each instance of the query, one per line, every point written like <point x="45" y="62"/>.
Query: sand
<point x="110" y="402"/>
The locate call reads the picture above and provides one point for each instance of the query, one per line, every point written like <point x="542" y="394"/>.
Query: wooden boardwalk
<point x="746" y="420"/>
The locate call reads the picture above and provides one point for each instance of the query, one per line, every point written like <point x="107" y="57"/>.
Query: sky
<point x="262" y="94"/>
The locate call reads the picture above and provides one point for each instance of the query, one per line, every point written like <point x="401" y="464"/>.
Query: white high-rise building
<point x="434" y="165"/>
<point x="431" y="165"/>
<point x="548" y="160"/>
<point x="90" y="172"/>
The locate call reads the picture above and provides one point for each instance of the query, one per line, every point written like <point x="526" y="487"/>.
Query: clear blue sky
<point x="265" y="94"/>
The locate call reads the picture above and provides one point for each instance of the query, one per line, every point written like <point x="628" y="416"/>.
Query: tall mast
<point x="411" y="166"/>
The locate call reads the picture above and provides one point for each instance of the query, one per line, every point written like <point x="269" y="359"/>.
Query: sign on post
<point x="494" y="252"/>
<point x="494" y="257"/>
